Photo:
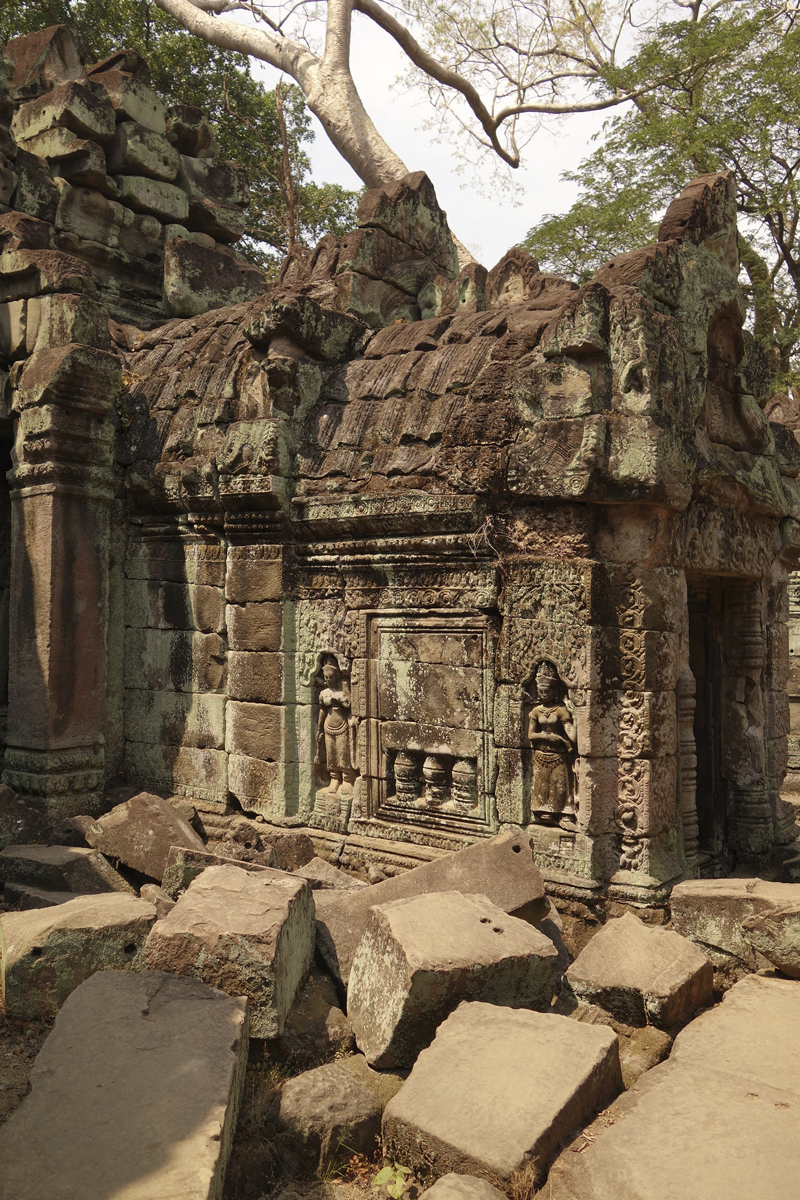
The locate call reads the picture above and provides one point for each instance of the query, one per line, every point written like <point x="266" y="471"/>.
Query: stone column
<point x="61" y="490"/>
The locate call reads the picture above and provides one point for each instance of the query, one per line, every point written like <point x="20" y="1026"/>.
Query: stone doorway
<point x="706" y="597"/>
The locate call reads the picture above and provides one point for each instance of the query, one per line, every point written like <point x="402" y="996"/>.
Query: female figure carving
<point x="552" y="734"/>
<point x="336" y="728"/>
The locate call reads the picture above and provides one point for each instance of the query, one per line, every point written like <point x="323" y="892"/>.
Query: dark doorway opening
<point x="706" y="597"/>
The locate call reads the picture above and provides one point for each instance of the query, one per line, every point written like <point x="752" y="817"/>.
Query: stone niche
<point x="413" y="554"/>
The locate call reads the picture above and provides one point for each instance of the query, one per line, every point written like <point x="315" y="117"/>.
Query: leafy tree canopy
<point x="244" y="114"/>
<point x="722" y="90"/>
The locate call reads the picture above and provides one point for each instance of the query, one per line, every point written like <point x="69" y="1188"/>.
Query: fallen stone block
<point x="185" y="865"/>
<point x="501" y="868"/>
<point x="718" y="1120"/>
<point x="23" y="897"/>
<point x="462" y="1187"/>
<point x="141" y="832"/>
<point x="644" y="1049"/>
<point x="322" y="874"/>
<point x="642" y="974"/>
<point x="251" y="934"/>
<point x="316" y="1028"/>
<point x="710" y="912"/>
<point x="156" y="895"/>
<point x="333" y="1111"/>
<point x="48" y="952"/>
<point x="776" y="935"/>
<point x="69" y="832"/>
<point x="498" y="1088"/>
<point x="293" y="847"/>
<point x="61" y="869"/>
<point x="421" y="956"/>
<point x="71" y="106"/>
<point x="138" y="1087"/>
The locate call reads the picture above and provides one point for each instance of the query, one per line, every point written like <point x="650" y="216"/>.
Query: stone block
<point x="258" y="731"/>
<point x="61" y="320"/>
<point x="501" y="868"/>
<point x="36" y="193"/>
<point x="43" y="60"/>
<point x="162" y="200"/>
<point x="134" y="1060"/>
<point x="408" y="210"/>
<point x="198" y="278"/>
<point x="776" y="935"/>
<point x="189" y="131"/>
<point x="223" y="222"/>
<point x="256" y="676"/>
<point x="642" y="974"/>
<point x="248" y="579"/>
<point x="46" y="953"/>
<point x="249" y="933"/>
<point x="254" y="626"/>
<point x="331" y="1112"/>
<point x="167" y="660"/>
<point x="157" y="604"/>
<point x="268" y="788"/>
<point x="140" y="833"/>
<point x="710" y="913"/>
<point x="181" y="770"/>
<point x="213" y="179"/>
<point x="136" y="150"/>
<point x="131" y="99"/>
<point x="294" y="847"/>
<point x="71" y="106"/>
<point x="155" y="895"/>
<point x="61" y="869"/>
<point x="497" y="1089"/>
<point x="19" y="823"/>
<point x="324" y="876"/>
<point x="183" y="866"/>
<point x="718" y="1120"/>
<point x="420" y="957"/>
<point x="316" y="1029"/>
<point x="86" y="214"/>
<point x="462" y="1187"/>
<point x="175" y="718"/>
<point x="13" y="328"/>
<point x="23" y="897"/>
<point x="141" y="236"/>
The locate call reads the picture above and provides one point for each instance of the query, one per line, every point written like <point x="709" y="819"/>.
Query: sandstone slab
<point x="501" y="868"/>
<point x="141" y="832"/>
<point x="334" y="1110"/>
<point x="316" y="1028"/>
<point x="462" y="1187"/>
<point x="776" y="935"/>
<point x="185" y="865"/>
<point x="497" y="1088"/>
<point x="420" y="957"/>
<point x="61" y="868"/>
<point x="47" y="953"/>
<point x="18" y="821"/>
<point x="156" y="895"/>
<point x="717" y="1120"/>
<point x="642" y="974"/>
<point x="138" y="1088"/>
<point x="250" y="934"/>
<point x="24" y="897"/>
<point x="710" y="912"/>
<point x="324" y="875"/>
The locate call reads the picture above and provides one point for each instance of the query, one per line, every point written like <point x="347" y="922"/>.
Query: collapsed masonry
<point x="413" y="554"/>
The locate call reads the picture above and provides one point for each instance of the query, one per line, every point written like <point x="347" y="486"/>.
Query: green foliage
<point x="243" y="112"/>
<point x="720" y="91"/>
<point x="395" y="1178"/>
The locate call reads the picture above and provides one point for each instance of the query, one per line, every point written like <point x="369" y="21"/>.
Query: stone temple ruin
<point x="404" y="552"/>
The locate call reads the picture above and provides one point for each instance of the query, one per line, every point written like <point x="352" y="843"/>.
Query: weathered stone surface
<point x="250" y="933"/>
<point x="642" y="974"/>
<point x="776" y="935"/>
<point x="43" y="60"/>
<point x="408" y="210"/>
<point x="293" y="847"/>
<point x="717" y="1120"/>
<point x="61" y="868"/>
<point x="136" y="150"/>
<point x="710" y="912"/>
<point x="197" y="278"/>
<point x="189" y="131"/>
<point x="69" y="832"/>
<point x="23" y="897"/>
<point x="497" y="1088"/>
<point x="501" y="869"/>
<point x="131" y="99"/>
<point x="18" y="821"/>
<point x="134" y="1060"/>
<point x="156" y="895"/>
<point x="71" y="106"/>
<point x="159" y="199"/>
<point x="316" y="1028"/>
<point x="462" y="1187"/>
<point x="322" y="874"/>
<point x="47" y="953"/>
<point x="420" y="957"/>
<point x="644" y="1049"/>
<point x="141" y="832"/>
<point x="185" y="865"/>
<point x="333" y="1111"/>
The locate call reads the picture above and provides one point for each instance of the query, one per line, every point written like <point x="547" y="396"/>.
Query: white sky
<point x="488" y="227"/>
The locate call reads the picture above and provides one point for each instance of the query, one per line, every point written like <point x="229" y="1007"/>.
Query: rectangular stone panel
<point x="269" y="731"/>
<point x="257" y="676"/>
<point x="649" y="785"/>
<point x="255" y="626"/>
<point x="153" y="604"/>
<point x="176" y="562"/>
<point x="174" y="661"/>
<point x="253" y="578"/>
<point x="596" y="795"/>
<point x="508" y="716"/>
<point x="175" y="718"/>
<point x="268" y="788"/>
<point x="512" y="789"/>
<point x="183" y="770"/>
<point x="628" y="724"/>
